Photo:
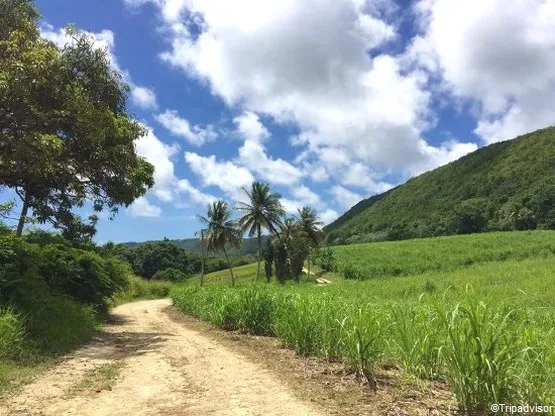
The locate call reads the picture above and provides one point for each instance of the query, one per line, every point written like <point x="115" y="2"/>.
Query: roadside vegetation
<point x="66" y="139"/>
<point x="484" y="327"/>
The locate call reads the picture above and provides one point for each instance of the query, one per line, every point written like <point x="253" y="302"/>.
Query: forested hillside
<point x="504" y="186"/>
<point x="192" y="245"/>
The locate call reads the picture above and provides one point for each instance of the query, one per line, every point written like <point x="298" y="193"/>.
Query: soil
<point x="152" y="360"/>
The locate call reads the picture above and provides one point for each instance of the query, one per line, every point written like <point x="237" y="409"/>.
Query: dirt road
<point x="143" y="363"/>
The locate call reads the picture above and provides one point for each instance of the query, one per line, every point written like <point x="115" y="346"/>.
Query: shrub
<point x="170" y="275"/>
<point x="83" y="275"/>
<point x="327" y="258"/>
<point x="348" y="271"/>
<point x="11" y="333"/>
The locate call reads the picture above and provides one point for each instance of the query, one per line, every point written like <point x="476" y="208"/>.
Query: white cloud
<point x="194" y="194"/>
<point x="178" y="126"/>
<point x="499" y="54"/>
<point x="307" y="62"/>
<point x="329" y="216"/>
<point x="160" y="155"/>
<point x="253" y="155"/>
<point x="345" y="197"/>
<point x="142" y="208"/>
<point x="306" y="196"/>
<point x="167" y="186"/>
<point x="227" y="176"/>
<point x="143" y="97"/>
<point x="249" y="127"/>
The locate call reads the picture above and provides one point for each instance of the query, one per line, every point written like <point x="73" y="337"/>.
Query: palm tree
<point x="263" y="211"/>
<point x="294" y="240"/>
<point x="221" y="230"/>
<point x="202" y="254"/>
<point x="308" y="220"/>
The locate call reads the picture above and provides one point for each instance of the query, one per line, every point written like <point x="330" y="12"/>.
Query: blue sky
<point x="329" y="101"/>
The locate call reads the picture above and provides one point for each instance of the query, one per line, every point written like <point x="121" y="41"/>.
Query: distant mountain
<point x="505" y="186"/>
<point x="192" y="245"/>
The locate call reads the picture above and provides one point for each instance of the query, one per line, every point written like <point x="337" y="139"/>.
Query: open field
<point x="393" y="258"/>
<point x="483" y="326"/>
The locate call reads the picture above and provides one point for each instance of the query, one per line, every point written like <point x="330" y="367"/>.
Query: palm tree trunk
<point x="259" y="254"/>
<point x="230" y="269"/>
<point x="202" y="257"/>
<point x="23" y="215"/>
<point x="308" y="260"/>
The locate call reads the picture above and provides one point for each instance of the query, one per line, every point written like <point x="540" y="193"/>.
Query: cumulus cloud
<point x="307" y="63"/>
<point x="498" y="54"/>
<point x="143" y="97"/>
<point x="179" y="126"/>
<point x="226" y="175"/>
<point x="328" y="216"/>
<point x="345" y="197"/>
<point x="250" y="127"/>
<point x="278" y="171"/>
<point x="142" y="208"/>
<point x="167" y="186"/>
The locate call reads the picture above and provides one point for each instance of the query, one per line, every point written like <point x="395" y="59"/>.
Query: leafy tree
<point x="221" y="231"/>
<point x="470" y="216"/>
<point x="262" y="212"/>
<point x="65" y="134"/>
<point x="20" y="16"/>
<point x="308" y="220"/>
<point x="269" y="256"/>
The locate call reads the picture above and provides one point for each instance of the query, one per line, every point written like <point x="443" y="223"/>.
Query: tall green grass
<point x="409" y="257"/>
<point x="486" y="329"/>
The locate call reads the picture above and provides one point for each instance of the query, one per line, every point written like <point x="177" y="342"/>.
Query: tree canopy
<point x="65" y="134"/>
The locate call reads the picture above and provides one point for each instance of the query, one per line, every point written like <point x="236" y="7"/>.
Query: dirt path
<point x="144" y="363"/>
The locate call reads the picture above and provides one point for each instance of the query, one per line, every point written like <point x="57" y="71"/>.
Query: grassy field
<point x="477" y="313"/>
<point x="394" y="258"/>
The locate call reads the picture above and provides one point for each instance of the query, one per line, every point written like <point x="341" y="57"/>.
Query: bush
<point x="326" y="256"/>
<point x="171" y="275"/>
<point x="11" y="333"/>
<point x="138" y="288"/>
<point x="349" y="271"/>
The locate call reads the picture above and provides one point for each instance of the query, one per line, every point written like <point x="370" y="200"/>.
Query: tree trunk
<point x="259" y="254"/>
<point x="230" y="269"/>
<point x="202" y="253"/>
<point x="24" y="209"/>
<point x="308" y="261"/>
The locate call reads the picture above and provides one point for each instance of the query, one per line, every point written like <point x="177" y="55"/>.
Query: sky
<point x="330" y="101"/>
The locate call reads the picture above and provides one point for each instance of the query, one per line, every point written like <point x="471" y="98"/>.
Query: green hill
<point x="505" y="186"/>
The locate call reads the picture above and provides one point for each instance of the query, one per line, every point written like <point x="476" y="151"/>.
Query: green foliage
<point x="11" y="333"/>
<point x="150" y="258"/>
<point x="269" y="255"/>
<point x="481" y="356"/>
<point x="326" y="258"/>
<point x="66" y="136"/>
<point x="171" y="275"/>
<point x="492" y="344"/>
<point x="504" y="186"/>
<point x="368" y="261"/>
<point x="263" y="212"/>
<point x="138" y="288"/>
<point x="221" y="231"/>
